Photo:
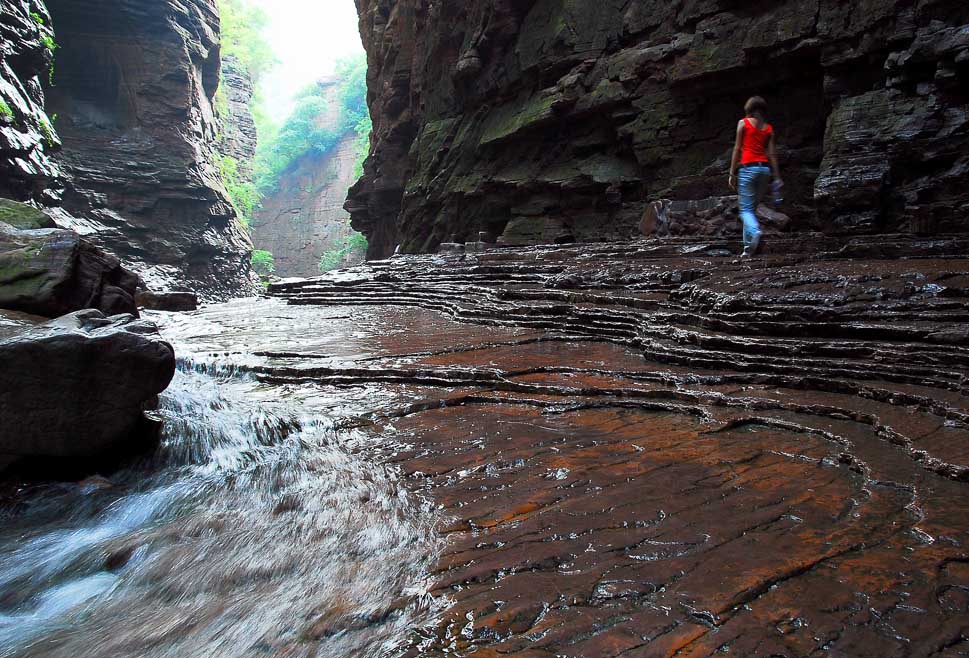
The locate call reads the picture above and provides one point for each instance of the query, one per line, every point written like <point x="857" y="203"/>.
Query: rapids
<point x="257" y="528"/>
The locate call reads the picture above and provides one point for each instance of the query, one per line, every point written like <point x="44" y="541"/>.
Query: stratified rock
<point x="239" y="136"/>
<point x="76" y="386"/>
<point x="654" y="448"/>
<point x="50" y="272"/>
<point x="541" y="118"/>
<point x="304" y="218"/>
<point x="134" y="89"/>
<point x="173" y="301"/>
<point x="27" y="135"/>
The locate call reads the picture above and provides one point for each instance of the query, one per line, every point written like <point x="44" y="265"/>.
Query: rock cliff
<point x="27" y="136"/>
<point x="238" y="139"/>
<point x="133" y="91"/>
<point x="304" y="218"/>
<point x="565" y="120"/>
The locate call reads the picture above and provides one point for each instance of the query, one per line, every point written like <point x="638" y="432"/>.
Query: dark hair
<point x="756" y="106"/>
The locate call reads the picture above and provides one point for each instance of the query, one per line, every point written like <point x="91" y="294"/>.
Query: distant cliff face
<point x="133" y="91"/>
<point x="303" y="219"/>
<point x="27" y="136"/>
<point x="565" y="118"/>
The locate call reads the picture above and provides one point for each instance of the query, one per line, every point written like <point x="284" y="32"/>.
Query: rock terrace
<point x="654" y="449"/>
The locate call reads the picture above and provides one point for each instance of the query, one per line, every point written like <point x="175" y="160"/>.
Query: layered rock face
<point x="134" y="88"/>
<point x="239" y="137"/>
<point x="654" y="449"/>
<point x="305" y="218"/>
<point x="564" y="120"/>
<point x="27" y="136"/>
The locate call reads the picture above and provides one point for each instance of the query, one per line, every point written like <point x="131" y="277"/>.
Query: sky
<point x="309" y="36"/>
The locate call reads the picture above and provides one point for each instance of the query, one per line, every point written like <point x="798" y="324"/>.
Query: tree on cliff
<point x="309" y="127"/>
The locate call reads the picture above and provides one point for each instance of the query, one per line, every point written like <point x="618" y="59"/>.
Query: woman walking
<point x="755" y="155"/>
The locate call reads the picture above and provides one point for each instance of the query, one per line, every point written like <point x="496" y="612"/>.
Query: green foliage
<point x="361" y="148"/>
<point x="242" y="37"/>
<point x="243" y="193"/>
<point x="263" y="263"/>
<point x="37" y="18"/>
<point x="5" y="112"/>
<point x="49" y="42"/>
<point x="309" y="128"/>
<point x="354" y="244"/>
<point x="48" y="131"/>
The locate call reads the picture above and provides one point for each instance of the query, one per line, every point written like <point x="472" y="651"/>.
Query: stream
<point x="258" y="527"/>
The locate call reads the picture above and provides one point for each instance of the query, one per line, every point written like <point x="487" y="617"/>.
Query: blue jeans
<point x="754" y="182"/>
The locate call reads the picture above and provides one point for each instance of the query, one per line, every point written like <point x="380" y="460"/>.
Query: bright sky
<point x="309" y="36"/>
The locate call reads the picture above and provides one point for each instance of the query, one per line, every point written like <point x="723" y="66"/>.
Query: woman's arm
<point x="735" y="160"/>
<point x="772" y="155"/>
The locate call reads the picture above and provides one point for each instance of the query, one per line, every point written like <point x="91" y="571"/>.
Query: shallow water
<point x="257" y="528"/>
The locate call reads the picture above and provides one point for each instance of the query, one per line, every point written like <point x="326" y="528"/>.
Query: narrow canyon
<point x="453" y="351"/>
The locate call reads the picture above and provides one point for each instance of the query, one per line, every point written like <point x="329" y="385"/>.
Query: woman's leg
<point x="749" y="184"/>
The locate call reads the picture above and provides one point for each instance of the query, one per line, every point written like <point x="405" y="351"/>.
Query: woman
<point x="756" y="156"/>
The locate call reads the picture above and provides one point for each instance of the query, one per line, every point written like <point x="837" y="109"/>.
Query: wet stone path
<point x="652" y="449"/>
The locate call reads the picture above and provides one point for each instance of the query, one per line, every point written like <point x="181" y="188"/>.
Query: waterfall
<point x="252" y="528"/>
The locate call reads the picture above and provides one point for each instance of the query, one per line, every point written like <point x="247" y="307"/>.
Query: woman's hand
<point x="732" y="182"/>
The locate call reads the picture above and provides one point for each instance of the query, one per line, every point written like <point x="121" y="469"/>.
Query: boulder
<point x="50" y="272"/>
<point x="174" y="301"/>
<point x="98" y="373"/>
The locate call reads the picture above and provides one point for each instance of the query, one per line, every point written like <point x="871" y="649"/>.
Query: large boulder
<point x="51" y="272"/>
<point x="77" y="386"/>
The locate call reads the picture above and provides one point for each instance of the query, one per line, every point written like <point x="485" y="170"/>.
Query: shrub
<point x="242" y="193"/>
<point x="263" y="263"/>
<point x="354" y="244"/>
<point x="5" y="112"/>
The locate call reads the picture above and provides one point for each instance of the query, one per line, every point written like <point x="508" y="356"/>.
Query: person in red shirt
<point x="755" y="154"/>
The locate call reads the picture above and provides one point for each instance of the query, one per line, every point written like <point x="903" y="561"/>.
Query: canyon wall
<point x="133" y="90"/>
<point x="238" y="138"/>
<point x="303" y="219"/>
<point x="27" y="136"/>
<point x="563" y="119"/>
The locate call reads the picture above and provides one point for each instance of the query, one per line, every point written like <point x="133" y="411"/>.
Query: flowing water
<point x="255" y="529"/>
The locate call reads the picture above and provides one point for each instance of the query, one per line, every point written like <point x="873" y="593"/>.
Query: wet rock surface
<point x="48" y="271"/>
<point x="653" y="449"/>
<point x="77" y="386"/>
<point x="27" y="135"/>
<point x="549" y="118"/>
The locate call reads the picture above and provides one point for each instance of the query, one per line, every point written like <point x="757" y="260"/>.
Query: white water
<point x="252" y="531"/>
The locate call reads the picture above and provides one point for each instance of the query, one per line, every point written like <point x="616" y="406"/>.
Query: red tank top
<point x="755" y="142"/>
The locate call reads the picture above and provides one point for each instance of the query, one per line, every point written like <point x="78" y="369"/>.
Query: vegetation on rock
<point x="263" y="263"/>
<point x="355" y="244"/>
<point x="307" y="129"/>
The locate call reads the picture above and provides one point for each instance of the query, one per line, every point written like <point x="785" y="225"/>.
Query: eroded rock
<point x="654" y="449"/>
<point x="50" y="272"/>
<point x="537" y="119"/>
<point x="77" y="386"/>
<point x="139" y="138"/>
